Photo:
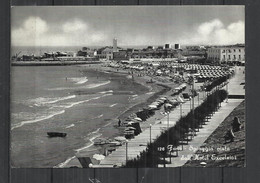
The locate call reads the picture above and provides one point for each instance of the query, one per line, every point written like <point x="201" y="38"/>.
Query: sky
<point x="131" y="25"/>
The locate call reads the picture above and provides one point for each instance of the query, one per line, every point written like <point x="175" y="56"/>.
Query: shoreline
<point x="52" y="63"/>
<point x="155" y="91"/>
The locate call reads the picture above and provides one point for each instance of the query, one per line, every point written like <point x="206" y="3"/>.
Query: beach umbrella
<point x="98" y="157"/>
<point x="130" y="123"/>
<point x="120" y="139"/>
<point x="130" y="132"/>
<point x="115" y="143"/>
<point x="168" y="105"/>
<point x="129" y="129"/>
<point x="160" y="101"/>
<point x="152" y="106"/>
<point x="163" y="98"/>
<point x="138" y="119"/>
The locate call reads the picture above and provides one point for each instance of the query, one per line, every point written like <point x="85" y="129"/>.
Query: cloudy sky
<point x="132" y="26"/>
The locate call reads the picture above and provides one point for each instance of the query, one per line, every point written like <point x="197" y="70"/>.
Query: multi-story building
<point x="167" y="46"/>
<point x="120" y="55"/>
<point x="226" y="54"/>
<point x="105" y="53"/>
<point x="177" y="46"/>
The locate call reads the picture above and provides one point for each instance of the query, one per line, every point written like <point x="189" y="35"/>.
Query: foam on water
<point x="80" y="80"/>
<point x="113" y="105"/>
<point x="89" y="86"/>
<point x="70" y="126"/>
<point x="96" y="131"/>
<point x="63" y="164"/>
<point x="62" y="108"/>
<point x="107" y="124"/>
<point x="37" y="119"/>
<point x="98" y="84"/>
<point x="149" y="93"/>
<point x="41" y="101"/>
<point x="91" y="140"/>
<point x="100" y="116"/>
<point x="89" y="145"/>
<point x="104" y="92"/>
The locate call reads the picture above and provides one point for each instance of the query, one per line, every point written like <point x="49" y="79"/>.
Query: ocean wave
<point x="89" y="145"/>
<point x="70" y="126"/>
<point x="113" y="105"/>
<point x="41" y="101"/>
<point x="89" y="86"/>
<point x="100" y="116"/>
<point x="96" y="131"/>
<point x="63" y="164"/>
<point x="107" y="124"/>
<point x="149" y="93"/>
<point x="61" y="110"/>
<point x="104" y="92"/>
<point x="98" y="84"/>
<point x="37" y="119"/>
<point x="80" y="80"/>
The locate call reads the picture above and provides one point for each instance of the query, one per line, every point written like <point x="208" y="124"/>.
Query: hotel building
<point x="226" y="54"/>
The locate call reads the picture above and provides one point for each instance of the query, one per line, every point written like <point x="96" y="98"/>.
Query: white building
<point x="105" y="53"/>
<point x="227" y="54"/>
<point x="177" y="46"/>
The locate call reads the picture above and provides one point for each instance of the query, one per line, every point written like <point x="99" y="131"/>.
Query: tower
<point x="114" y="45"/>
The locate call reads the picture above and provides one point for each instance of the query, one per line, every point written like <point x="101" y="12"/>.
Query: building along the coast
<point x="120" y="55"/>
<point x="105" y="53"/>
<point x="232" y="54"/>
<point x="177" y="46"/>
<point x="87" y="52"/>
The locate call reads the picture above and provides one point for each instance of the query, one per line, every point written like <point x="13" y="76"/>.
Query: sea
<point x="77" y="100"/>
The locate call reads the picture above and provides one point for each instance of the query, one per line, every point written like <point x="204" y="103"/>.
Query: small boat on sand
<point x="56" y="134"/>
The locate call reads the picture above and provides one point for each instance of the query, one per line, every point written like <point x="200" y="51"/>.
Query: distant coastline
<point x="51" y="63"/>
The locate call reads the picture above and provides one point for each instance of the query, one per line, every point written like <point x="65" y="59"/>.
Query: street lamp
<point x="181" y="109"/>
<point x="227" y="89"/>
<point x="168" y="120"/>
<point x="150" y="133"/>
<point x="198" y="98"/>
<point x="126" y="147"/>
<point x="190" y="103"/>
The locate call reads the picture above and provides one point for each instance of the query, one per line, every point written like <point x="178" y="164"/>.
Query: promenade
<point x="135" y="146"/>
<point x="236" y="90"/>
<point x="138" y="144"/>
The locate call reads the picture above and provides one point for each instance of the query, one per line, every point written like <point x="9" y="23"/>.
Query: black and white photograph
<point x="127" y="86"/>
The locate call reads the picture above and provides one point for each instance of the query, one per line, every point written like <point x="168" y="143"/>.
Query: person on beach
<point x="119" y="122"/>
<point x="229" y="136"/>
<point x="236" y="125"/>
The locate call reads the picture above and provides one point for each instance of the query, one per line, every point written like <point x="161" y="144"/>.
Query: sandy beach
<point x="156" y="90"/>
